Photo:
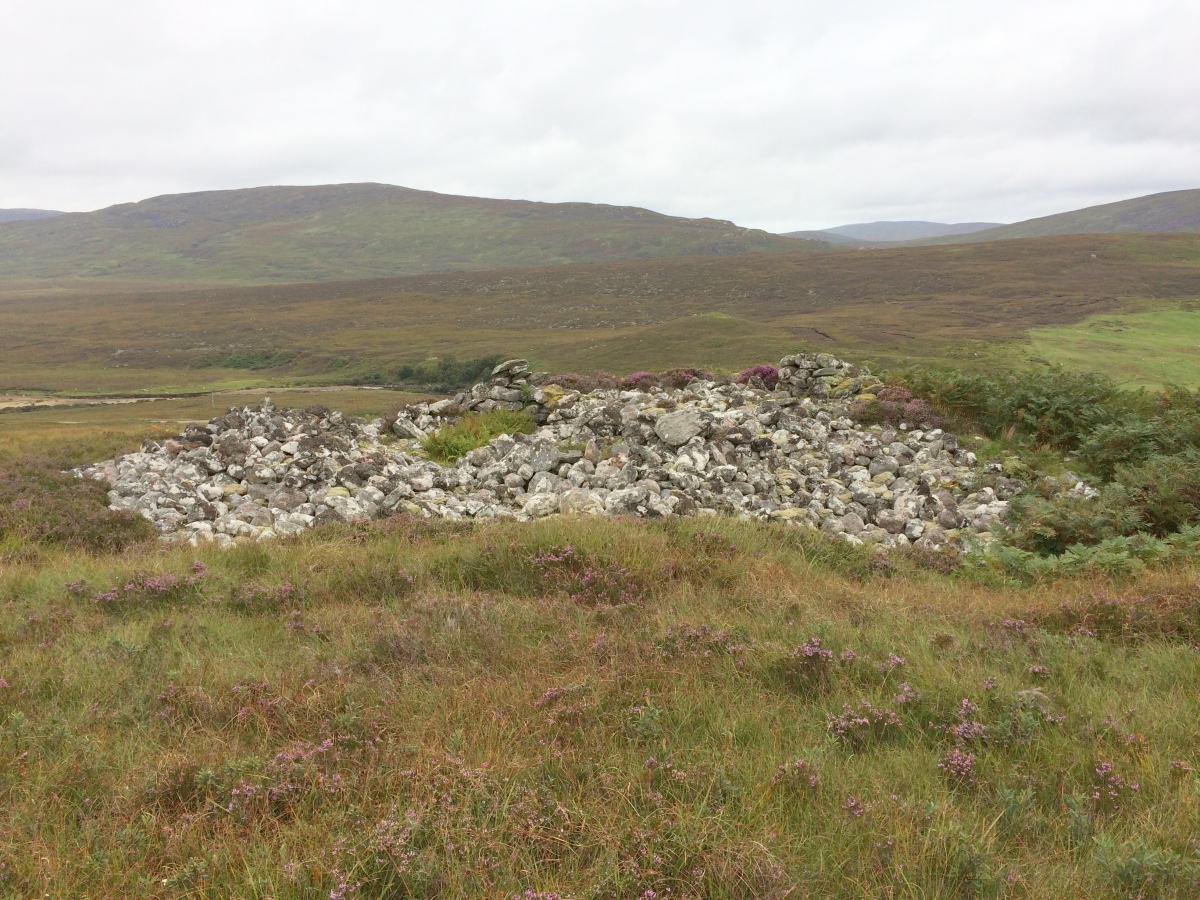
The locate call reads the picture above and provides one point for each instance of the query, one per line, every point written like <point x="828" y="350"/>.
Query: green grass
<point x="452" y="442"/>
<point x="1149" y="349"/>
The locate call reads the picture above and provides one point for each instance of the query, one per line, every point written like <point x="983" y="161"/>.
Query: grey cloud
<point x="776" y="114"/>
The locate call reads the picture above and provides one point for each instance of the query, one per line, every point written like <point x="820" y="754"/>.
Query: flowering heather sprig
<point x="908" y="694"/>
<point x="538" y="895"/>
<point x="854" y="807"/>
<point x="1017" y="626"/>
<point x="568" y="572"/>
<point x="257" y="598"/>
<point x="857" y="726"/>
<point x="684" y="640"/>
<point x="968" y="730"/>
<point x="799" y="777"/>
<point x="959" y="766"/>
<point x="1110" y="789"/>
<point x="847" y="658"/>
<point x="549" y="697"/>
<point x="891" y="664"/>
<point x="809" y="666"/>
<point x="142" y="589"/>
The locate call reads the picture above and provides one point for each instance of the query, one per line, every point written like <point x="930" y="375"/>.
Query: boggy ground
<point x="589" y="709"/>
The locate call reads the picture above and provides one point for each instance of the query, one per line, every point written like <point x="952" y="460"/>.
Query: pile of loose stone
<point x="790" y="455"/>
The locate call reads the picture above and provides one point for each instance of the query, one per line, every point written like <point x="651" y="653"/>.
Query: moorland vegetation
<point x="970" y="306"/>
<point x="617" y="708"/>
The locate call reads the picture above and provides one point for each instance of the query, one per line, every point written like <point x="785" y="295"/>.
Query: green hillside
<point x="349" y="231"/>
<point x="1169" y="211"/>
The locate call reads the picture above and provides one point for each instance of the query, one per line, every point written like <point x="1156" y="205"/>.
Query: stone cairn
<point x="789" y="454"/>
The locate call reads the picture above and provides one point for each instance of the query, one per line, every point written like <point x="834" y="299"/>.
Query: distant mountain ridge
<point x="871" y="233"/>
<point x="351" y="231"/>
<point x="24" y="215"/>
<point x="1169" y="211"/>
<point x="906" y="231"/>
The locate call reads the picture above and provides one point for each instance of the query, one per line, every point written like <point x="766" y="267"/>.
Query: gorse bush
<point x="475" y="430"/>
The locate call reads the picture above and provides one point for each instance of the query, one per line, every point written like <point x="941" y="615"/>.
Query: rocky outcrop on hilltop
<point x="787" y="453"/>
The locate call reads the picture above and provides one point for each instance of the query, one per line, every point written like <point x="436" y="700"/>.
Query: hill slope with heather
<point x="1154" y="213"/>
<point x="349" y="231"/>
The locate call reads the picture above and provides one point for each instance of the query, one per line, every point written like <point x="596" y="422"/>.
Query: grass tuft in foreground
<point x="475" y="430"/>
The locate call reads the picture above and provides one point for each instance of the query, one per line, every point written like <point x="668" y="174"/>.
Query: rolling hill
<point x="1154" y="213"/>
<point x="870" y="234"/>
<point x="23" y="215"/>
<point x="889" y="232"/>
<point x="295" y="234"/>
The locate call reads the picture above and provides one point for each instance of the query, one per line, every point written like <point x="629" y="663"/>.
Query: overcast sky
<point x="779" y="115"/>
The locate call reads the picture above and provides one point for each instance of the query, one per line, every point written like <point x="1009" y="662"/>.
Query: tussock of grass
<point x="462" y="710"/>
<point x="471" y="431"/>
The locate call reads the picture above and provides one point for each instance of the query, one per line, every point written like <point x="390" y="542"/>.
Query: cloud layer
<point x="780" y="115"/>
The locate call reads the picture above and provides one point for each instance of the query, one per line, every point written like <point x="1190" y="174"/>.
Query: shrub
<point x="469" y="432"/>
<point x="639" y="381"/>
<point x="768" y="375"/>
<point x="797" y="778"/>
<point x="1141" y="870"/>
<point x="1052" y="526"/>
<point x="808" y="667"/>
<point x="39" y="505"/>
<point x="1054" y="408"/>
<point x="587" y="582"/>
<point x="1130" y="441"/>
<point x="1164" y="490"/>
<point x="893" y="405"/>
<point x="448" y="374"/>
<point x="683" y="376"/>
<point x="585" y="384"/>
<point x="858" y="726"/>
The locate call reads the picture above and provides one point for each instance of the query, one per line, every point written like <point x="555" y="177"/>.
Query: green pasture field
<point x="1149" y="349"/>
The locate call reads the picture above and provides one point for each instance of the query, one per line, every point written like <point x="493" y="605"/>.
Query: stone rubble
<point x="788" y="455"/>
